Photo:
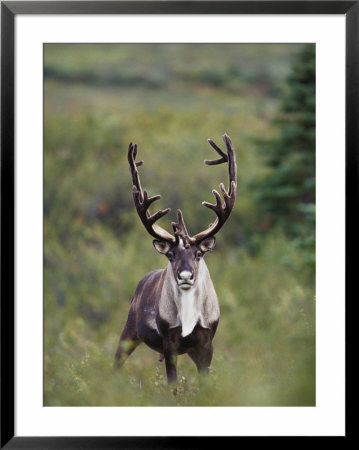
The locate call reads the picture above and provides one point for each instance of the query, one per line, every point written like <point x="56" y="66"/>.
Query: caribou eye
<point x="198" y="254"/>
<point x="170" y="256"/>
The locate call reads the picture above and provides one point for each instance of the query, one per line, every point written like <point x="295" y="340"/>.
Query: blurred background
<point x="169" y="98"/>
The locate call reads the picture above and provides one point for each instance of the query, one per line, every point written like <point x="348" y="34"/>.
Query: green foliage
<point x="96" y="250"/>
<point x="153" y="66"/>
<point x="285" y="195"/>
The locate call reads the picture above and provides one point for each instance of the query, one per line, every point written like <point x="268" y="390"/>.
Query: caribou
<point x="175" y="310"/>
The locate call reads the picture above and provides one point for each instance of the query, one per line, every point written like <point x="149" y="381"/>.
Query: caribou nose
<point x="185" y="275"/>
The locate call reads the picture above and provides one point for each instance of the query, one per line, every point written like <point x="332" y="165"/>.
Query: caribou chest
<point x="189" y="311"/>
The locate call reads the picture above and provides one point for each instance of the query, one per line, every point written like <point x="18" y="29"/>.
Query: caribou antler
<point x="143" y="202"/>
<point x="223" y="210"/>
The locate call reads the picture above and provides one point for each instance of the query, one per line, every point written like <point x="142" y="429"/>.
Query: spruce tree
<point x="285" y="197"/>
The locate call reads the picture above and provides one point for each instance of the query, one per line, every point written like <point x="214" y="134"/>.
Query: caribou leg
<point x="128" y="341"/>
<point x="201" y="355"/>
<point x="170" y="351"/>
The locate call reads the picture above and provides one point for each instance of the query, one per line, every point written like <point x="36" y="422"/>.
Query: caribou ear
<point x="161" y="246"/>
<point x="208" y="244"/>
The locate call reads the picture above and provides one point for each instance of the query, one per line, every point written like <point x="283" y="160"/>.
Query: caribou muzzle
<point x="185" y="279"/>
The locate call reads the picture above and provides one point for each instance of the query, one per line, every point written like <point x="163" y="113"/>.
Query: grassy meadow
<point x="168" y="98"/>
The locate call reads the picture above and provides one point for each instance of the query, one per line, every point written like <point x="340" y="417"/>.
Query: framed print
<point x="90" y="89"/>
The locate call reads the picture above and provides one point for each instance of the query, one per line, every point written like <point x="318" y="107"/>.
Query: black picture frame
<point x="9" y="10"/>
